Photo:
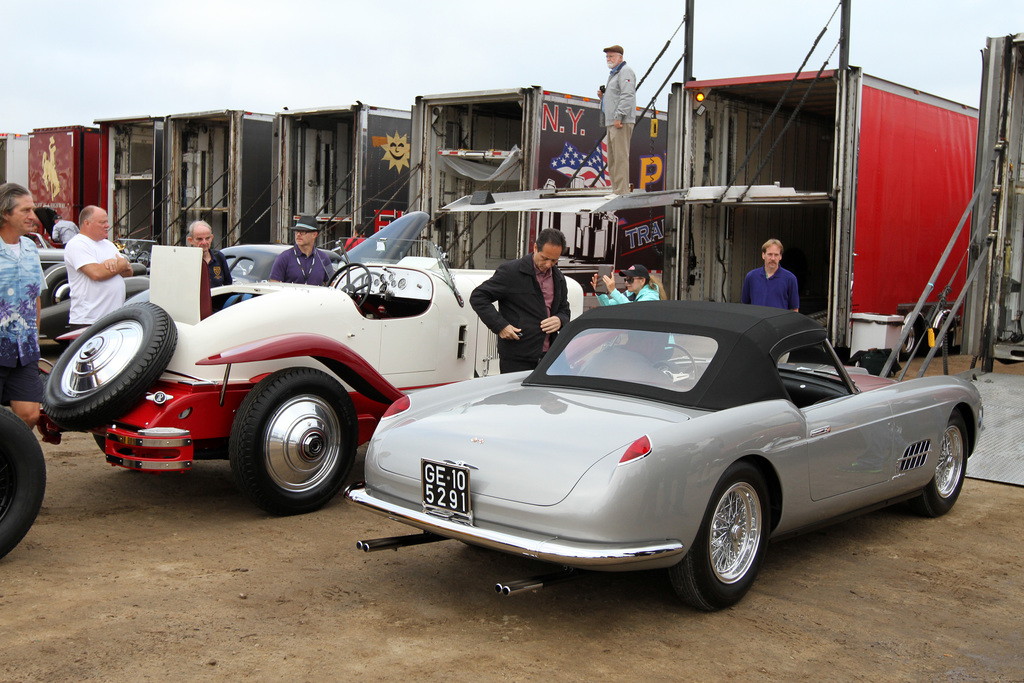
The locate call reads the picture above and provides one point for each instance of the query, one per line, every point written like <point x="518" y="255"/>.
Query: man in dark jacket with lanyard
<point x="533" y="303"/>
<point x="303" y="264"/>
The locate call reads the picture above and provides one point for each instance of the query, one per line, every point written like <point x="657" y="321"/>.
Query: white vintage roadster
<point x="283" y="380"/>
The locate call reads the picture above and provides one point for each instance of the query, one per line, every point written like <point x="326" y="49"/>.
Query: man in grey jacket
<point x="618" y="115"/>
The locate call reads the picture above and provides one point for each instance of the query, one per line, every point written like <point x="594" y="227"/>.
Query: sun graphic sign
<point x="396" y="151"/>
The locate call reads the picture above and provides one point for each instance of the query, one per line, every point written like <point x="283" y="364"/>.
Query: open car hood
<point x="524" y="444"/>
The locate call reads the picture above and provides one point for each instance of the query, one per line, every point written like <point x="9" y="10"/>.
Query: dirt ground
<point x="128" y="576"/>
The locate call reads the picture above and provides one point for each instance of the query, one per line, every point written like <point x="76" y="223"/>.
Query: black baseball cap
<point x="636" y="270"/>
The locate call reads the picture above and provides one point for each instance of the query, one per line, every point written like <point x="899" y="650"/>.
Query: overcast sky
<point x="75" y="62"/>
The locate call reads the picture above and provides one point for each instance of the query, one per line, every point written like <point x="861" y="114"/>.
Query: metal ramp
<point x="1000" y="453"/>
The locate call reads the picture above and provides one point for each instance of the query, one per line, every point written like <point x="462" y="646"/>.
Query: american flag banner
<point x="593" y="166"/>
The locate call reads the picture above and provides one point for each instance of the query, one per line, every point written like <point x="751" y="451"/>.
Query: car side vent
<point x="460" y="351"/>
<point x="915" y="456"/>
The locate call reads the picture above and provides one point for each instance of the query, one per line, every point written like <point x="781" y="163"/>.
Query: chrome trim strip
<point x="134" y="464"/>
<point x="548" y="549"/>
<point x="148" y="441"/>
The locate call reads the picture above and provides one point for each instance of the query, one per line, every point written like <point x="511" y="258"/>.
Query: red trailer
<point x="64" y="169"/>
<point x="888" y="171"/>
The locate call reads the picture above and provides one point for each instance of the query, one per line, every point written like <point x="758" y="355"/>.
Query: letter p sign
<point x="651" y="169"/>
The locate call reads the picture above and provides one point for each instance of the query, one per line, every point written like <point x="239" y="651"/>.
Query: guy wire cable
<point x="778" y="105"/>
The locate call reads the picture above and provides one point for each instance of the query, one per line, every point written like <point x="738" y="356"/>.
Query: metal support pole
<point x="688" y="43"/>
<point x="844" y="36"/>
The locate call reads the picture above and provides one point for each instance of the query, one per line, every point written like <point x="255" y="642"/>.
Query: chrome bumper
<point x="546" y="548"/>
<point x="153" y="450"/>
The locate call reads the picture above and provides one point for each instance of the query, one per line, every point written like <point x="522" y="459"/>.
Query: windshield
<point x="136" y="250"/>
<point x="661" y="359"/>
<point x="399" y="243"/>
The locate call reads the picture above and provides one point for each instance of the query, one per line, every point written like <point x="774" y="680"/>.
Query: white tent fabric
<point x="484" y="172"/>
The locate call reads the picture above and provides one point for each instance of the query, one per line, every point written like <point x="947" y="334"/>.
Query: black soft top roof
<point x="750" y="341"/>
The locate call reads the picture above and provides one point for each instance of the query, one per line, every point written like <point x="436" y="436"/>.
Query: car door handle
<point x="821" y="430"/>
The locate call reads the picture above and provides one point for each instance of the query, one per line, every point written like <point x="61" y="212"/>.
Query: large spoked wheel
<point x="725" y="557"/>
<point x="917" y="331"/>
<point x="22" y="480"/>
<point x="294" y="441"/>
<point x="942" y="491"/>
<point x="110" y="366"/>
<point x="356" y="286"/>
<point x="55" y="281"/>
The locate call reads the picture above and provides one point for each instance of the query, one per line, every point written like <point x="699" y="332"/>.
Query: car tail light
<point x="396" y="408"/>
<point x="638" y="449"/>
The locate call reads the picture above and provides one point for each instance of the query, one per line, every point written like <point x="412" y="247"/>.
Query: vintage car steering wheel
<point x="666" y="366"/>
<point x="360" y="291"/>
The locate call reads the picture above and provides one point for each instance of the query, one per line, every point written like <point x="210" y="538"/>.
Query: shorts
<point x="21" y="383"/>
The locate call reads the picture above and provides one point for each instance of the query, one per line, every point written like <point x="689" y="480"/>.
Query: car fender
<point x="665" y="494"/>
<point x="340" y="359"/>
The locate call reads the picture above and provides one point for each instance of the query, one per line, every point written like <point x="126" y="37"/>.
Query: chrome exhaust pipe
<point x="536" y="582"/>
<point x="396" y="542"/>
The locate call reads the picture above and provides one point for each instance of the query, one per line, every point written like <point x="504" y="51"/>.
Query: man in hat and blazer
<point x="618" y="116"/>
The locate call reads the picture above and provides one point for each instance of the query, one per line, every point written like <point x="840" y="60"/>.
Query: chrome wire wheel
<point x="102" y="358"/>
<point x="951" y="462"/>
<point x="735" y="533"/>
<point x="302" y="443"/>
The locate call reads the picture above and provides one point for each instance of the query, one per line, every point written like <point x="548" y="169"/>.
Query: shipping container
<point x="888" y="171"/>
<point x="64" y="169"/>
<point x="993" y="327"/>
<point x="14" y="158"/>
<point x="219" y="170"/>
<point x="348" y="166"/>
<point x="133" y="178"/>
<point x="532" y="139"/>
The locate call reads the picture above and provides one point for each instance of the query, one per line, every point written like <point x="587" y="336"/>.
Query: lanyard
<point x="312" y="264"/>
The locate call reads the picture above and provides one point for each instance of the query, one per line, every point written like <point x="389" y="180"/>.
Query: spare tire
<point x="110" y="367"/>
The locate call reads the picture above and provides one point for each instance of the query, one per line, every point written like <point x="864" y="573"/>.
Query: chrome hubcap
<point x="735" y="532"/>
<point x="303" y="443"/>
<point x="951" y="461"/>
<point x="101" y="358"/>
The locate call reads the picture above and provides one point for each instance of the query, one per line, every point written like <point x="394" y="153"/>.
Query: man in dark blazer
<point x="533" y="303"/>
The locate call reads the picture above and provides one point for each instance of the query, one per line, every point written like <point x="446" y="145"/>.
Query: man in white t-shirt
<point x="96" y="269"/>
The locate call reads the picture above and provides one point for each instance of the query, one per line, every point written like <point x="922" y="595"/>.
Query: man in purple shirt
<point x="533" y="303"/>
<point x="772" y="285"/>
<point x="303" y="264"/>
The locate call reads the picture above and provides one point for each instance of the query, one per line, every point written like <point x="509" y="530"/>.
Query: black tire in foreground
<point x="942" y="491"/>
<point x="110" y="367"/>
<point x="294" y="441"/>
<point x="723" y="562"/>
<point x="22" y="480"/>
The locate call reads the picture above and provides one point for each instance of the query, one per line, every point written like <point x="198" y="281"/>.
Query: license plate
<point x="445" y="487"/>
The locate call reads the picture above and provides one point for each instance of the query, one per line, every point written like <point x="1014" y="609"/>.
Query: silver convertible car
<point x="677" y="435"/>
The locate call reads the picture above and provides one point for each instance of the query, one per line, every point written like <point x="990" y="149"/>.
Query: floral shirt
<point x="21" y="281"/>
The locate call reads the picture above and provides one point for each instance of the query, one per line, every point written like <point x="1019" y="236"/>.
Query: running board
<point x="396" y="542"/>
<point x="535" y="582"/>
